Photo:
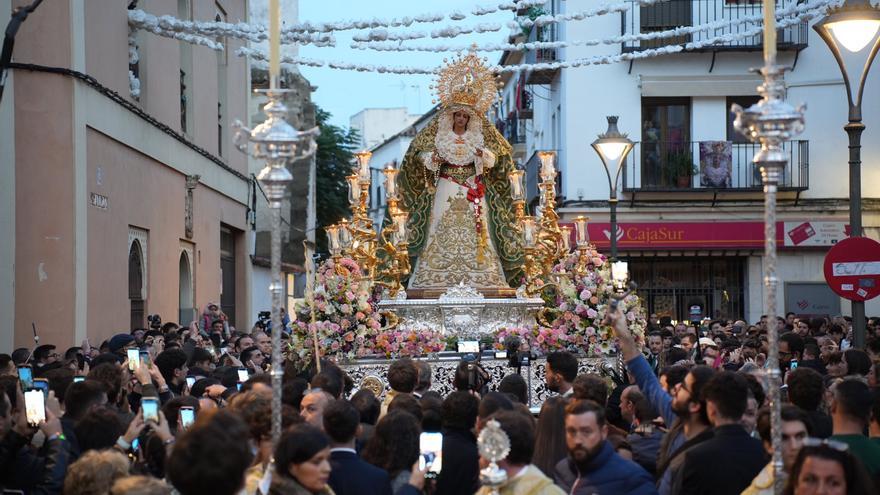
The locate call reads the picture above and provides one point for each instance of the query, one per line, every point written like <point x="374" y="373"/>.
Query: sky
<point x="344" y="93"/>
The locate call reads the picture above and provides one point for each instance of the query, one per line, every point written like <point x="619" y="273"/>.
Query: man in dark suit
<point x="461" y="461"/>
<point x="350" y="475"/>
<point x="726" y="463"/>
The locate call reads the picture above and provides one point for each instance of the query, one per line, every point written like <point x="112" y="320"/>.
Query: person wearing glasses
<point x="827" y="467"/>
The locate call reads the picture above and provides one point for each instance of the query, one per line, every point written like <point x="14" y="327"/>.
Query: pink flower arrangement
<point x="348" y="323"/>
<point x="574" y="313"/>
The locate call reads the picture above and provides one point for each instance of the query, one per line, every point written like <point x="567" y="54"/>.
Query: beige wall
<point x="67" y="134"/>
<point x="148" y="195"/>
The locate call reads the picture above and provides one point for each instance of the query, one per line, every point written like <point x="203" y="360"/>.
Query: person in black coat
<point x="729" y="461"/>
<point x="461" y="460"/>
<point x="350" y="475"/>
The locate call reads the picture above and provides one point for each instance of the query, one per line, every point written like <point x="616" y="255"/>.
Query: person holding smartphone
<point x="52" y="460"/>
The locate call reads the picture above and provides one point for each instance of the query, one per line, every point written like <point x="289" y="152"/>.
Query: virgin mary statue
<point x="454" y="183"/>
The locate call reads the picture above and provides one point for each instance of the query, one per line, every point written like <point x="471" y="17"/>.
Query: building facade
<point x="690" y="207"/>
<point x="377" y="125"/>
<point x="125" y="204"/>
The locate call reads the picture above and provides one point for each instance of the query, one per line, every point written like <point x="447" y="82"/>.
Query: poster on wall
<point x="811" y="299"/>
<point x="807" y="234"/>
<point x="715" y="163"/>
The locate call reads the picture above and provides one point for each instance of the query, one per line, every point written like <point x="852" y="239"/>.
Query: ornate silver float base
<point x="443" y="372"/>
<point x="462" y="311"/>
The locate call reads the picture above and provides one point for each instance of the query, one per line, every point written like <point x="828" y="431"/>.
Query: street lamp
<point x="855" y="25"/>
<point x="612" y="148"/>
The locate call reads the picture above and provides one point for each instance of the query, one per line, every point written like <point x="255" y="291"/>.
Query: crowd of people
<point x="188" y="410"/>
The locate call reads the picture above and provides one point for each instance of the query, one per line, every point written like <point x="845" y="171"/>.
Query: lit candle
<point x="363" y="159"/>
<point x="274" y="42"/>
<point x="530" y="231"/>
<point x="548" y="171"/>
<point x="580" y="224"/>
<point x="619" y="273"/>
<point x="565" y="232"/>
<point x="344" y="234"/>
<point x="354" y="188"/>
<point x="770" y="31"/>
<point x="517" y="192"/>
<point x="390" y="181"/>
<point x="333" y="239"/>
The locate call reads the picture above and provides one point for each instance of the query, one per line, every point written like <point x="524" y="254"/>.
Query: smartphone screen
<point x="35" y="406"/>
<point x="135" y="444"/>
<point x="78" y="379"/>
<point x="243" y="375"/>
<point x="42" y="384"/>
<point x="26" y="376"/>
<point x="145" y="357"/>
<point x="187" y="416"/>
<point x="794" y="364"/>
<point x="150" y="408"/>
<point x="190" y="381"/>
<point x="431" y="453"/>
<point x="133" y="359"/>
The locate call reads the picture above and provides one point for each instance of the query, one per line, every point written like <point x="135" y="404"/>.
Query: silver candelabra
<point x="771" y="122"/>
<point x="278" y="143"/>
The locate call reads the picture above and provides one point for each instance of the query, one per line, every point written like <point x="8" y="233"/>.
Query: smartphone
<point x="26" y="376"/>
<point x="469" y="346"/>
<point x="135" y="444"/>
<point x="150" y="409"/>
<point x="187" y="416"/>
<point x="145" y="357"/>
<point x="431" y="454"/>
<point x="190" y="381"/>
<point x="78" y="378"/>
<point x="134" y="359"/>
<point x="42" y="384"/>
<point x="793" y="365"/>
<point x="35" y="406"/>
<point x="243" y="375"/>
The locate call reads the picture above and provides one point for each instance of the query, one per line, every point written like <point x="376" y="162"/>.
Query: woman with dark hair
<point x="550" y="445"/>
<point x="858" y="363"/>
<point x="395" y="448"/>
<point x="826" y="466"/>
<point x="302" y="463"/>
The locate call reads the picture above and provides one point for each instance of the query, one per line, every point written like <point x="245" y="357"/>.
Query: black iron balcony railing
<point x="671" y="14"/>
<point x="514" y="130"/>
<point x="708" y="165"/>
<point x="542" y="55"/>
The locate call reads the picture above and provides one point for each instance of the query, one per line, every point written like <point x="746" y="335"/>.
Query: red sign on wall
<point x="852" y="268"/>
<point x="682" y="235"/>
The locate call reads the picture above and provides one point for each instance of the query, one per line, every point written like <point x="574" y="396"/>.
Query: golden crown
<point x="466" y="81"/>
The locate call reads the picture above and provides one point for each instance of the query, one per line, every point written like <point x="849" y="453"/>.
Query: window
<point x="666" y="147"/>
<point x="745" y="102"/>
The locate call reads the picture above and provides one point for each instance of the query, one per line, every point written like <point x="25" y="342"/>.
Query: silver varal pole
<point x="278" y="143"/>
<point x="771" y="122"/>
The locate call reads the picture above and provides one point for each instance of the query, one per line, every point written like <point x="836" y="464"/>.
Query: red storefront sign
<point x="852" y="268"/>
<point x="689" y="235"/>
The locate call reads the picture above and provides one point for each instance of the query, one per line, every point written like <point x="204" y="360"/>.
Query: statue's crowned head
<point x="466" y="82"/>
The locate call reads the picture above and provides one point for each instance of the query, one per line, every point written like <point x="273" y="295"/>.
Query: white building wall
<point x="588" y="94"/>
<point x="375" y="125"/>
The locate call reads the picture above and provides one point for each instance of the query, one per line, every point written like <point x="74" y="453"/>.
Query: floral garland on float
<point x="347" y="321"/>
<point x="574" y="310"/>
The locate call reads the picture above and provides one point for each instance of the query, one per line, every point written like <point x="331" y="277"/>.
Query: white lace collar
<point x="448" y="144"/>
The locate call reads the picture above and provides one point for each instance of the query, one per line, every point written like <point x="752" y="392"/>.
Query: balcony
<point x="708" y="166"/>
<point x="676" y="13"/>
<point x="514" y="131"/>
<point x="542" y="56"/>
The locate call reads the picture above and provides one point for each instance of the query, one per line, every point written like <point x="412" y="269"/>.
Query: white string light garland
<point x="260" y="56"/>
<point x="614" y="40"/>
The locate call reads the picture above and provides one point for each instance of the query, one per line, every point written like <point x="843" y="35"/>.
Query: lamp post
<point x="612" y="148"/>
<point x="771" y="122"/>
<point x="856" y="26"/>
